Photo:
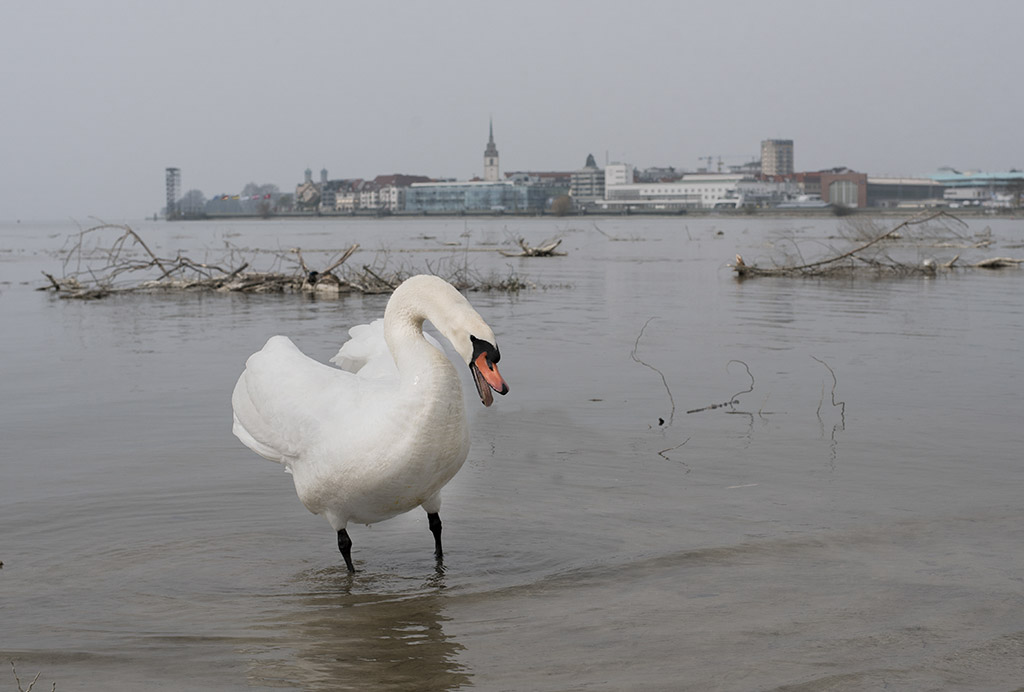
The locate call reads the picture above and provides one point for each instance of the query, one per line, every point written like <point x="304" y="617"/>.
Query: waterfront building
<point x="306" y="194"/>
<point x="895" y="192"/>
<point x="844" y="188"/>
<point x="618" y="174"/>
<point x="328" y="190"/>
<point x="391" y="190"/>
<point x="699" y="191"/>
<point x="838" y="186"/>
<point x="368" y="197"/>
<point x="391" y="198"/>
<point x="695" y="191"/>
<point x="491" y="173"/>
<point x="777" y="157"/>
<point x="586" y="185"/>
<point x="979" y="188"/>
<point x="476" y="196"/>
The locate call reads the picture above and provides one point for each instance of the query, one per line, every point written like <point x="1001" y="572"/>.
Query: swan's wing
<point x="283" y="398"/>
<point x="366" y="352"/>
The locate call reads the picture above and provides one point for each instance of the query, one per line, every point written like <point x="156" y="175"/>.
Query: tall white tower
<point x="491" y="158"/>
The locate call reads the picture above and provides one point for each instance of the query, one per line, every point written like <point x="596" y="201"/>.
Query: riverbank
<point x="815" y="212"/>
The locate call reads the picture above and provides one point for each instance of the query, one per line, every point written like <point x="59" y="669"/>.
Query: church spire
<point x="491" y="157"/>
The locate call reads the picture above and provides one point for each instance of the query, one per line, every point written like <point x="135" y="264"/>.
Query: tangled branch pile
<point x="94" y="270"/>
<point x="873" y="251"/>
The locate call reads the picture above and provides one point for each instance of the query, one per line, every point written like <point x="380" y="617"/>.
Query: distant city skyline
<point x="99" y="103"/>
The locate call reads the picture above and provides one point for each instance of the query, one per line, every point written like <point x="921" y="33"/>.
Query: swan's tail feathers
<point x="252" y="443"/>
<point x="257" y="411"/>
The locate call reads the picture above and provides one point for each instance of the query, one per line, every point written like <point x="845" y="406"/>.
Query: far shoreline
<point x="816" y="212"/>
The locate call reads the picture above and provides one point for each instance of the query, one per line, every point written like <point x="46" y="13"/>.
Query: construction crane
<point x="710" y="159"/>
<point x="745" y="158"/>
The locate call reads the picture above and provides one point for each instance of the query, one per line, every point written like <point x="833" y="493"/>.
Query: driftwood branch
<point x="545" y="249"/>
<point x="998" y="263"/>
<point x="867" y="253"/>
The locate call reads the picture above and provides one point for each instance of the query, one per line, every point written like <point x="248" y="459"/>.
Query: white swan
<point x="385" y="433"/>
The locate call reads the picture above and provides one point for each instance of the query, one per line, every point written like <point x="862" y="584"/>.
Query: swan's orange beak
<point x="487" y="377"/>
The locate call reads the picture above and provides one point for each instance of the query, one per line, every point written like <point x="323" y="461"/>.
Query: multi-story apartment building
<point x="777" y="157"/>
<point x="587" y="184"/>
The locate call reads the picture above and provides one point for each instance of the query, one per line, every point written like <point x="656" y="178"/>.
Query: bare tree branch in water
<point x="17" y="680"/>
<point x="548" y="248"/>
<point x="870" y="250"/>
<point x="672" y="401"/>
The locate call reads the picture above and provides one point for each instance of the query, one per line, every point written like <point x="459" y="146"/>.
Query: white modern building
<point x="698" y="191"/>
<point x="618" y="174"/>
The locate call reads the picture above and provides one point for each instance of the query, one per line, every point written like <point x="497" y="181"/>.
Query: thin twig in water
<point x="636" y="345"/>
<point x="664" y="456"/>
<point x="733" y="400"/>
<point x="834" y="445"/>
<point x="731" y="403"/>
<point x="835" y="383"/>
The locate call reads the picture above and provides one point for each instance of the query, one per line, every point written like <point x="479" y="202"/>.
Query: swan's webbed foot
<point x="345" y="546"/>
<point x="434" y="521"/>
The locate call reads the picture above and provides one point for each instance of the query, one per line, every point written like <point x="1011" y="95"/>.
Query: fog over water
<point x="818" y="534"/>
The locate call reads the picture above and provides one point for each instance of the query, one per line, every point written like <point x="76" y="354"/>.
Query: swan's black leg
<point x="434" y="521"/>
<point x="345" y="546"/>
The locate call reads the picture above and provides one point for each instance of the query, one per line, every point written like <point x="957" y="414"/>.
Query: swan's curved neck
<point x="419" y="299"/>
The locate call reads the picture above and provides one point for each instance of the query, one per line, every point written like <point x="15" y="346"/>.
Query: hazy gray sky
<point x="100" y="97"/>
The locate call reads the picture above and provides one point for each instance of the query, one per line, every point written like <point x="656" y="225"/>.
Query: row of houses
<point x="619" y="188"/>
<point x="516" y="193"/>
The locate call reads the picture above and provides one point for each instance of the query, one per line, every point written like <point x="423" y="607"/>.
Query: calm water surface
<point x="784" y="542"/>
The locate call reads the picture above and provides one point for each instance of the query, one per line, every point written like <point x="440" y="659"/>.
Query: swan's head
<point x="475" y="342"/>
<point x="482" y="364"/>
<point x="430" y="297"/>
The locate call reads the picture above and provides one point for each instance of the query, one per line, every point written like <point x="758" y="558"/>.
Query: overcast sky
<point x="100" y="97"/>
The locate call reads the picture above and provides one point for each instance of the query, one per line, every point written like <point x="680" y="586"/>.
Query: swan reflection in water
<point x="379" y="632"/>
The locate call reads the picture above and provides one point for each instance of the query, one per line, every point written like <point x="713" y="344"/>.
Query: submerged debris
<point x="545" y="249"/>
<point x="872" y="248"/>
<point x="129" y="265"/>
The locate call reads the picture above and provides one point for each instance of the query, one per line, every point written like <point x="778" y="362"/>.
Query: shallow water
<point x="780" y="543"/>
